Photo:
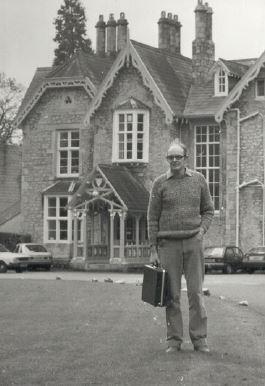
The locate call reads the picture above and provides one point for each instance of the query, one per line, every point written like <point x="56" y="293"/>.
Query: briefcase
<point x="155" y="286"/>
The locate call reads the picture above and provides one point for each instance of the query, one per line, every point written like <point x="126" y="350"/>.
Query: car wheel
<point x="229" y="269"/>
<point x="3" y="267"/>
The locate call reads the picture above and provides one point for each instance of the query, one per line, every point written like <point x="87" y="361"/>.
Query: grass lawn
<point x="82" y="333"/>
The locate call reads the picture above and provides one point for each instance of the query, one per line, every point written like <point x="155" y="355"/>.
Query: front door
<point x="98" y="237"/>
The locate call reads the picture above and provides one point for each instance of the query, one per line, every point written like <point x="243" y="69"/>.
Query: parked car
<point x="11" y="260"/>
<point x="254" y="259"/>
<point x="228" y="259"/>
<point x="38" y="255"/>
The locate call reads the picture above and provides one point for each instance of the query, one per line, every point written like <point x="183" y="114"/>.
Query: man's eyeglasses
<point x="176" y="157"/>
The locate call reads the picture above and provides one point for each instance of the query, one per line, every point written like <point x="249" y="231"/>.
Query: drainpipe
<point x="263" y="186"/>
<point x="237" y="173"/>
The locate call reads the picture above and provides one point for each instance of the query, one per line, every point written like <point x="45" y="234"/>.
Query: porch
<point x="107" y="228"/>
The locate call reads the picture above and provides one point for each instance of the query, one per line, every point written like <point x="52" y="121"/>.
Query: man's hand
<point x="200" y="234"/>
<point x="154" y="259"/>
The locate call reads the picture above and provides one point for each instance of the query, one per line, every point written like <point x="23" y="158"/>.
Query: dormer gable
<point x="221" y="84"/>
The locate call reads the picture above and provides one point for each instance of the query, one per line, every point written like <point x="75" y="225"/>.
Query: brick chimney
<point x="174" y="34"/>
<point x="111" y="35"/>
<point x="101" y="36"/>
<point x="202" y="47"/>
<point x="121" y="31"/>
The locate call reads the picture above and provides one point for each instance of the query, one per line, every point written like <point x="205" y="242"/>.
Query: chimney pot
<point x="111" y="35"/>
<point x="122" y="35"/>
<point x="101" y="36"/>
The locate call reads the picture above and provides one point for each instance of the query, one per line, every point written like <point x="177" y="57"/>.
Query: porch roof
<point x="62" y="187"/>
<point x="130" y="192"/>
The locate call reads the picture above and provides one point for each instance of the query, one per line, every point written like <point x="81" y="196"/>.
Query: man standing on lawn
<point x="180" y="212"/>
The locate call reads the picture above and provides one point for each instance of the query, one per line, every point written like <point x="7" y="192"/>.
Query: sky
<point x="27" y="29"/>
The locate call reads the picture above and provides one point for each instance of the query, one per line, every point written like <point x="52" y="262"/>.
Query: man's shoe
<point x="172" y="349"/>
<point x="202" y="348"/>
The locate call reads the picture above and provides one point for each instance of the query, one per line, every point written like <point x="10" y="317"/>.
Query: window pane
<point x="52" y="230"/>
<point x="63" y="229"/>
<point x="63" y="162"/>
<point x="62" y="209"/>
<point x="74" y="139"/>
<point x="63" y="138"/>
<point x="52" y="207"/>
<point x="74" y="161"/>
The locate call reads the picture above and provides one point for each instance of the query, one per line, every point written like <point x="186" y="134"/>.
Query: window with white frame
<point x="130" y="136"/>
<point x="68" y="153"/>
<point x="207" y="158"/>
<point x="58" y="221"/>
<point x="221" y="83"/>
<point x="260" y="88"/>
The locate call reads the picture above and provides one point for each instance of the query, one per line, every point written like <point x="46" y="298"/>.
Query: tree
<point x="70" y="31"/>
<point x="11" y="94"/>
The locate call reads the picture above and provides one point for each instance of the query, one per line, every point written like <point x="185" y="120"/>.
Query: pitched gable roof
<point x="82" y="70"/>
<point x="235" y="94"/>
<point x="171" y="73"/>
<point x="167" y="76"/>
<point x="85" y="65"/>
<point x="235" y="68"/>
<point x="201" y="100"/>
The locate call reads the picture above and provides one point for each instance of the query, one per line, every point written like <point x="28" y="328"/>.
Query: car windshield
<point x="3" y="249"/>
<point x="257" y="250"/>
<point x="214" y="252"/>
<point x="36" y="248"/>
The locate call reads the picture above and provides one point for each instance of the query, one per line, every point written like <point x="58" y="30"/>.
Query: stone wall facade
<point x="39" y="154"/>
<point x="10" y="175"/>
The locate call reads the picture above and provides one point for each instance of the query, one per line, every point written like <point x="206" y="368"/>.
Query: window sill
<point x="58" y="242"/>
<point x="67" y="176"/>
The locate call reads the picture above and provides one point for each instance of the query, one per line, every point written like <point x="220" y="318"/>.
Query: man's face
<point x="176" y="158"/>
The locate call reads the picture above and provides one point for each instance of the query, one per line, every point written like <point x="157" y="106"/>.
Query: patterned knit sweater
<point x="178" y="207"/>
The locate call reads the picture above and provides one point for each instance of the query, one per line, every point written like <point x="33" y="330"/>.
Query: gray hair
<point x="177" y="142"/>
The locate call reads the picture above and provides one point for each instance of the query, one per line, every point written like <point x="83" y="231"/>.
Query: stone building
<point x="10" y="188"/>
<point x="97" y="128"/>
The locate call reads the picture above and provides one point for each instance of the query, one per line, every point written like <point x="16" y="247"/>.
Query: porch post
<point x="122" y="215"/>
<point x="137" y="221"/>
<point x="85" y="235"/>
<point x="75" y="234"/>
<point x="112" y="215"/>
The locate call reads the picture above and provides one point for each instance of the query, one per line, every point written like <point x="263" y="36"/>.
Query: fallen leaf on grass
<point x="243" y="303"/>
<point x="108" y="280"/>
